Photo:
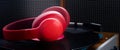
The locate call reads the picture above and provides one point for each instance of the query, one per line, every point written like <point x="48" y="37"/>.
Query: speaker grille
<point x="105" y="12"/>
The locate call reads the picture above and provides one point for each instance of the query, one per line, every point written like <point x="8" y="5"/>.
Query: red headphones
<point x="48" y="26"/>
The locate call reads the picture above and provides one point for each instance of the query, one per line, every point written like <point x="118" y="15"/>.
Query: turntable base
<point x="109" y="41"/>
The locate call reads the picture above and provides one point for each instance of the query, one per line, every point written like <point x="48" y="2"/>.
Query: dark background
<point x="11" y="10"/>
<point x="105" y="12"/>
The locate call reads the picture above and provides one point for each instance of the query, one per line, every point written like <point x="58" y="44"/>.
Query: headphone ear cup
<point x="61" y="10"/>
<point x="44" y="15"/>
<point x="51" y="29"/>
<point x="51" y="25"/>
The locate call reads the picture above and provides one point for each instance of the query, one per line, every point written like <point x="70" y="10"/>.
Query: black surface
<point x="80" y="36"/>
<point x="71" y="41"/>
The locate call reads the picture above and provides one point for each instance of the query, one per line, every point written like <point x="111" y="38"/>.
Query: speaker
<point x="104" y="12"/>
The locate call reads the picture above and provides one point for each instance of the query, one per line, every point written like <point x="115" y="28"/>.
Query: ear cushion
<point x="61" y="10"/>
<point x="51" y="29"/>
<point x="49" y="14"/>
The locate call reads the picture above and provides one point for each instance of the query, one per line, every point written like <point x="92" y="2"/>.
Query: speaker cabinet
<point x="105" y="12"/>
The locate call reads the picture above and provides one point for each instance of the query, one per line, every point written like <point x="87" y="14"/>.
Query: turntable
<point x="48" y="29"/>
<point x="77" y="37"/>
